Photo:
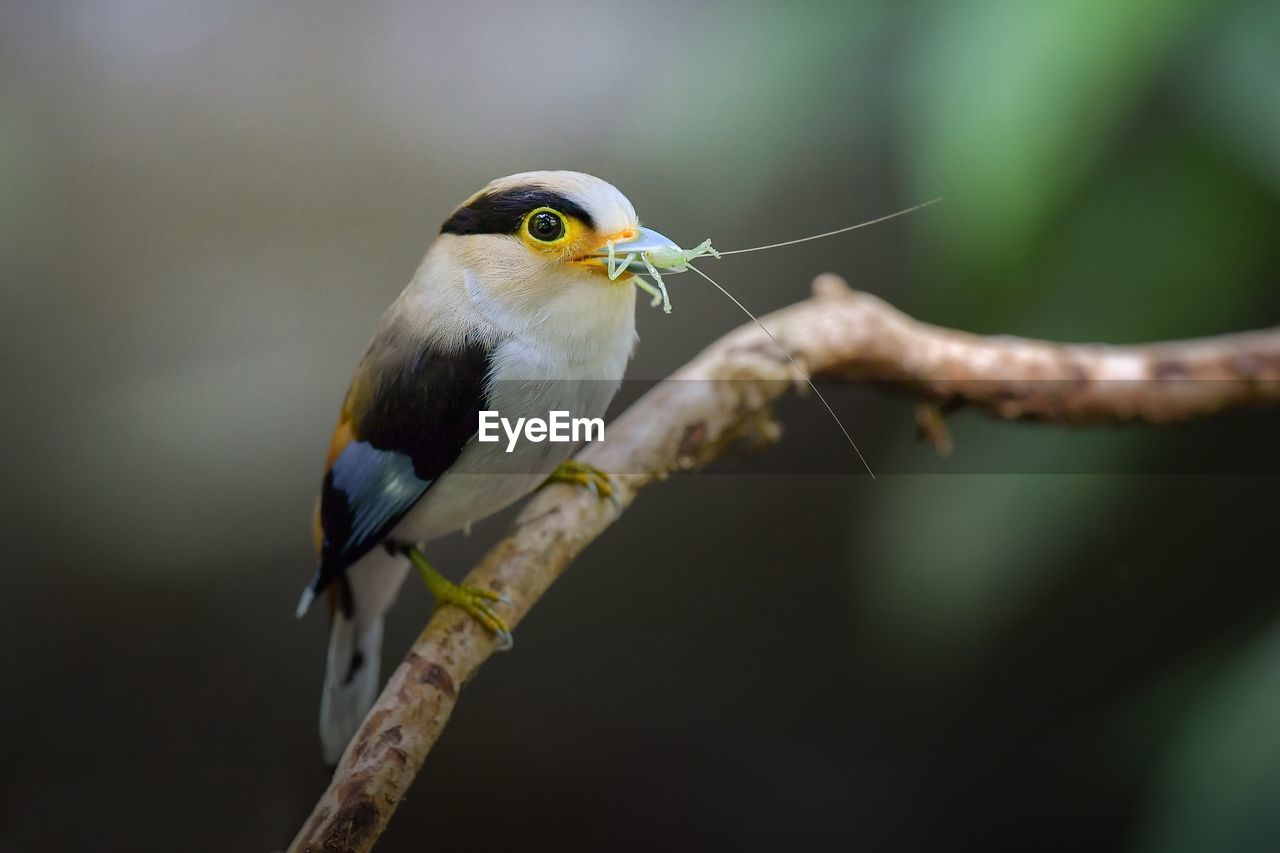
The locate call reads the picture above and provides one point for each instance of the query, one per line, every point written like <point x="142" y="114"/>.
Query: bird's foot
<point x="599" y="483"/>
<point x="477" y="601"/>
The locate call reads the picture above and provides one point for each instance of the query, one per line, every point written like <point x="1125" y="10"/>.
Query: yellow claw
<point x="477" y="601"/>
<point x="598" y="482"/>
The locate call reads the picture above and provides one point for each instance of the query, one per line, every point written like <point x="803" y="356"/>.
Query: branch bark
<point x="681" y="425"/>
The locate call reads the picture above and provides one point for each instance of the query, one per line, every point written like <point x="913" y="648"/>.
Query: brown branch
<point x="679" y="426"/>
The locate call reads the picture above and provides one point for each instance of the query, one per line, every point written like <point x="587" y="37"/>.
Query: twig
<point x="681" y="425"/>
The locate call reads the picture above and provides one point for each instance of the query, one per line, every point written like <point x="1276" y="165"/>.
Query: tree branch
<point x="679" y="426"/>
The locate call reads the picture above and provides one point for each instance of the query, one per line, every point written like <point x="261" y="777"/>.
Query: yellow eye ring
<point x="545" y="226"/>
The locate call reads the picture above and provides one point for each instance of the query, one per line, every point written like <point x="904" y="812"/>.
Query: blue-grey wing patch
<point x="377" y="486"/>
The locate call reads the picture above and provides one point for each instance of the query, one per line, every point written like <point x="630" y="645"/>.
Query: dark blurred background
<point x="1056" y="639"/>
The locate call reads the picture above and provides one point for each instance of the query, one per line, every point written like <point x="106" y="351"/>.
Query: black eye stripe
<point x="502" y="212"/>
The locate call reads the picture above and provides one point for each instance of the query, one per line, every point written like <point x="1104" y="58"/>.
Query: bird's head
<point x="532" y="238"/>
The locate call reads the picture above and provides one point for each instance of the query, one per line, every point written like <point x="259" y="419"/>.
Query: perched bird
<point x="513" y="309"/>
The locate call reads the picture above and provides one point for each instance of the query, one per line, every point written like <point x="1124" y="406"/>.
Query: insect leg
<point x="662" y="286"/>
<point x="648" y="288"/>
<point x="703" y="248"/>
<point x="622" y="265"/>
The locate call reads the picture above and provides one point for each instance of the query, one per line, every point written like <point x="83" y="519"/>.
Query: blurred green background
<point x="1055" y="639"/>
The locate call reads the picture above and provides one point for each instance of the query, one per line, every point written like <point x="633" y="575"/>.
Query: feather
<point x="410" y="411"/>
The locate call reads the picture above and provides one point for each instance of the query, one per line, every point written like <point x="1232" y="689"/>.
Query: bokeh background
<point x="1055" y="639"/>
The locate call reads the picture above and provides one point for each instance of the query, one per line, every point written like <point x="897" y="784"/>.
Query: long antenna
<point x="792" y="358"/>
<point x="833" y="233"/>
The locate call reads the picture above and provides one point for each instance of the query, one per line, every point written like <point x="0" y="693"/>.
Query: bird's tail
<point x="353" y="666"/>
<point x="350" y="681"/>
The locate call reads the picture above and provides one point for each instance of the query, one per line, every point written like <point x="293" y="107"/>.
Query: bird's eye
<point x="545" y="225"/>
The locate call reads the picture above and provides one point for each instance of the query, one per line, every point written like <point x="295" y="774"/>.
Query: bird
<point x="517" y="308"/>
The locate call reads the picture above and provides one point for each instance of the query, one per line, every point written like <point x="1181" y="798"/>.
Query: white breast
<point x="548" y="366"/>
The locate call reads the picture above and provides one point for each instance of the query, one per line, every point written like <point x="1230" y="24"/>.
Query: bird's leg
<point x="599" y="483"/>
<point x="476" y="600"/>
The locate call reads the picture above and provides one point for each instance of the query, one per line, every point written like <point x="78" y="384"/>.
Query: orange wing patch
<point x="342" y="436"/>
<point x="317" y="529"/>
<point x="352" y="406"/>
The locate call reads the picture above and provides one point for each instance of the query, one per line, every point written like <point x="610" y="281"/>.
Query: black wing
<point x="406" y="420"/>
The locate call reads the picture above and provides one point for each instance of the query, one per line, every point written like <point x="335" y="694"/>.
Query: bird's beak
<point x="634" y="243"/>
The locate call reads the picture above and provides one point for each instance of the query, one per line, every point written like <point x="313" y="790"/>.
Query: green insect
<point x="648" y="252"/>
<point x="669" y="257"/>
